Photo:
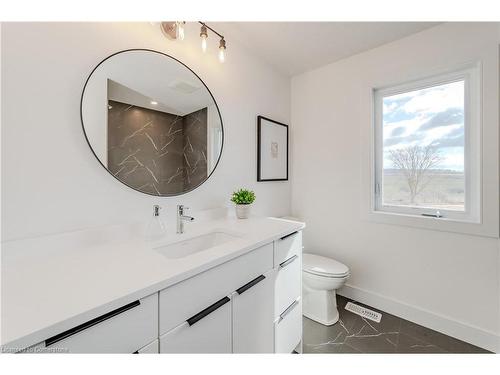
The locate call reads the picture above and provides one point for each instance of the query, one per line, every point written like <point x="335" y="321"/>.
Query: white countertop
<point x="53" y="283"/>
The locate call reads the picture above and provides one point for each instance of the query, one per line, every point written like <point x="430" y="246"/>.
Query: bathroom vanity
<point x="225" y="286"/>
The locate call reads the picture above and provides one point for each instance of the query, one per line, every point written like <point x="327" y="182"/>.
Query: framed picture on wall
<point x="272" y="150"/>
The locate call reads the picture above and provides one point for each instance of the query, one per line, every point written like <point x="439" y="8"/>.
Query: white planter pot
<point x="243" y="211"/>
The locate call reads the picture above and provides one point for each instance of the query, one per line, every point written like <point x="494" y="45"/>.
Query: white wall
<point x="51" y="182"/>
<point x="446" y="281"/>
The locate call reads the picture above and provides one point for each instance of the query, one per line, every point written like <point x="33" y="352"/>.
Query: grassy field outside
<point x="444" y="189"/>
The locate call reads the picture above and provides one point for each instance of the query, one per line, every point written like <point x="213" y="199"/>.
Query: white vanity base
<point x="242" y="295"/>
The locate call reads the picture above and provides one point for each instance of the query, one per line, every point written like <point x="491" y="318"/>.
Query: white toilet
<point x="321" y="277"/>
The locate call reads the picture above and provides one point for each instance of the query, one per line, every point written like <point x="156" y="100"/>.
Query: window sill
<point x="432" y="223"/>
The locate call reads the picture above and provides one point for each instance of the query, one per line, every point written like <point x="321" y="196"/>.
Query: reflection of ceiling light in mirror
<point x="153" y="102"/>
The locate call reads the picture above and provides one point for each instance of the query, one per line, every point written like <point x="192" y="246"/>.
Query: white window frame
<point x="471" y="75"/>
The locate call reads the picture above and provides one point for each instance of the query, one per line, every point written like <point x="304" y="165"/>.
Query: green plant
<point x="243" y="196"/>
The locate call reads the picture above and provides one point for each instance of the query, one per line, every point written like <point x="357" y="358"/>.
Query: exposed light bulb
<point x="222" y="50"/>
<point x="204" y="36"/>
<point x="180" y="30"/>
<point x="204" y="43"/>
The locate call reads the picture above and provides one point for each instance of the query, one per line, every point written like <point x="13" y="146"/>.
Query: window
<point x="427" y="147"/>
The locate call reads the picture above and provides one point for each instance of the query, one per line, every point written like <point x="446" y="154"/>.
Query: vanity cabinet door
<point x="253" y="323"/>
<point x="209" y="331"/>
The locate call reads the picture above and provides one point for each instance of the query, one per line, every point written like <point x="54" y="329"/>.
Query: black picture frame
<point x="259" y="148"/>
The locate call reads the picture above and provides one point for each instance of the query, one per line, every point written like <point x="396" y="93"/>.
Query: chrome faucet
<point x="181" y="218"/>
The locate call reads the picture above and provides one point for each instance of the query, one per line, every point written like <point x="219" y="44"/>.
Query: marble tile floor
<point x="354" y="334"/>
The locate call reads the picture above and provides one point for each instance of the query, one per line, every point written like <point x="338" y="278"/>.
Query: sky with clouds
<point x="430" y="116"/>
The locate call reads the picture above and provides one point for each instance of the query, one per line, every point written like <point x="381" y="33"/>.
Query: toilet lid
<point x="320" y="265"/>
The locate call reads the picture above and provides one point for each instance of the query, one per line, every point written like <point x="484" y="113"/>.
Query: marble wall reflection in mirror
<point x="151" y="122"/>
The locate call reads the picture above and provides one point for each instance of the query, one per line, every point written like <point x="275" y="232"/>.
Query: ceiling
<point x="174" y="87"/>
<point x="296" y="47"/>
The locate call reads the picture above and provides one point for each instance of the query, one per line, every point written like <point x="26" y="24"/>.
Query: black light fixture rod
<point x="212" y="30"/>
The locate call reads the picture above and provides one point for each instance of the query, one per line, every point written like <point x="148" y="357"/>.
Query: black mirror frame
<point x="197" y="76"/>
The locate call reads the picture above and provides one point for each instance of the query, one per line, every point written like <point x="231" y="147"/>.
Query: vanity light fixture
<point x="180" y="29"/>
<point x="222" y="50"/>
<point x="203" y="36"/>
<point x="176" y="30"/>
<point x="170" y="29"/>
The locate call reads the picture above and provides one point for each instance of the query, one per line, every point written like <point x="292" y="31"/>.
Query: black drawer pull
<point x="289" y="235"/>
<point x="288" y="261"/>
<point x="250" y="284"/>
<point x="210" y="309"/>
<point x="70" y="332"/>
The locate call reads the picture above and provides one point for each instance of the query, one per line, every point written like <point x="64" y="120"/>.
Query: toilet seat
<point x="322" y="266"/>
<point x="325" y="275"/>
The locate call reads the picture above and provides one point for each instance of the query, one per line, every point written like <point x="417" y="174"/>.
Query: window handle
<point x="437" y="215"/>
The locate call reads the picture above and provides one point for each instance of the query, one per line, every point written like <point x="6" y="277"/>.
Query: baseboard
<point x="462" y="331"/>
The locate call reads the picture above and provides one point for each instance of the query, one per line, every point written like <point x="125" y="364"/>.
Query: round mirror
<point x="152" y="122"/>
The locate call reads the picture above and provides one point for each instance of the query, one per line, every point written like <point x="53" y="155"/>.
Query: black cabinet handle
<point x="210" y="309"/>
<point x="288" y="261"/>
<point x="250" y="284"/>
<point x="289" y="235"/>
<point x="70" y="332"/>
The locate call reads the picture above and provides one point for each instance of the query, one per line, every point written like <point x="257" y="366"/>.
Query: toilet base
<point x="319" y="320"/>
<point x="320" y="306"/>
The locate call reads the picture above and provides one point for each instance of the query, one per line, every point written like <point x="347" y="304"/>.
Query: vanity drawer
<point x="185" y="299"/>
<point x="288" y="285"/>
<point x="210" y="334"/>
<point x="288" y="328"/>
<point x="287" y="246"/>
<point x="120" y="331"/>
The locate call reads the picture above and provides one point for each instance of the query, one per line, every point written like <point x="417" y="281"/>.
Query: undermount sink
<point x="195" y="245"/>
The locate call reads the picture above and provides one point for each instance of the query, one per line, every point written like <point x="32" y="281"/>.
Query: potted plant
<point x="243" y="199"/>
